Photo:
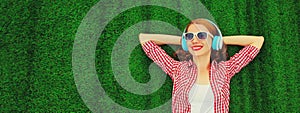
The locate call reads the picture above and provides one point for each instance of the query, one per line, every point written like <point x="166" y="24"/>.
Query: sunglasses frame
<point x="196" y="34"/>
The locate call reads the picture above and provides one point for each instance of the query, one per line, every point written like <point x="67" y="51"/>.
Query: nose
<point x="196" y="40"/>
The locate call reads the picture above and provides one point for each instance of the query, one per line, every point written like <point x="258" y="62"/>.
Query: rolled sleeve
<point x="240" y="59"/>
<point x="161" y="58"/>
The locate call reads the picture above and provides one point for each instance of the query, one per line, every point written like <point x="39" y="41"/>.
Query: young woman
<point x="201" y="81"/>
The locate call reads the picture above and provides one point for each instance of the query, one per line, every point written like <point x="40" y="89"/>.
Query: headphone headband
<point x="219" y="31"/>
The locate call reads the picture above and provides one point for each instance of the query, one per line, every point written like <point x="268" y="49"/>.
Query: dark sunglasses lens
<point x="202" y="35"/>
<point x="189" y="36"/>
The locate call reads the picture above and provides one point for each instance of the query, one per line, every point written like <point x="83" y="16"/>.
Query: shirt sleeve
<point x="161" y="58"/>
<point x="240" y="60"/>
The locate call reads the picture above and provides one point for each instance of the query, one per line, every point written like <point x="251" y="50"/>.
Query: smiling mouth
<point x="197" y="48"/>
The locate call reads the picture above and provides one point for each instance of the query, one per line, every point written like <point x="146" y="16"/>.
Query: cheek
<point x="209" y="42"/>
<point x="207" y="45"/>
<point x="189" y="43"/>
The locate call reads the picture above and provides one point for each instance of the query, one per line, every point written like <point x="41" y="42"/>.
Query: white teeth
<point x="197" y="47"/>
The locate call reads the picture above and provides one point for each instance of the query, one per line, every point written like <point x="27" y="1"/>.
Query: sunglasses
<point x="200" y="35"/>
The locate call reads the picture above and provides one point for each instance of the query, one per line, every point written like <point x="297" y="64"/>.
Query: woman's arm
<point x="160" y="39"/>
<point x="150" y="46"/>
<point x="245" y="55"/>
<point x="243" y="40"/>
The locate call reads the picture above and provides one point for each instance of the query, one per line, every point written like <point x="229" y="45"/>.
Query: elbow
<point x="142" y="38"/>
<point x="262" y="38"/>
<point x="261" y="41"/>
<point x="258" y="42"/>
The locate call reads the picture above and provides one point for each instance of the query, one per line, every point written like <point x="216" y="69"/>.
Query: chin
<point x="199" y="52"/>
<point x="196" y="53"/>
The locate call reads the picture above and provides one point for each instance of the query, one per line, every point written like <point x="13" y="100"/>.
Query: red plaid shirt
<point x="184" y="75"/>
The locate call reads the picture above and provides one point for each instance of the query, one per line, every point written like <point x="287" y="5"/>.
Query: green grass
<point x="37" y="40"/>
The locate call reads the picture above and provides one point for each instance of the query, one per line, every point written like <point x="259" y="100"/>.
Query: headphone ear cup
<point x="214" y="43"/>
<point x="220" y="42"/>
<point x="183" y="44"/>
<point x="217" y="43"/>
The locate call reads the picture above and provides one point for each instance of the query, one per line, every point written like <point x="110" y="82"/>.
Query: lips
<point x="197" y="48"/>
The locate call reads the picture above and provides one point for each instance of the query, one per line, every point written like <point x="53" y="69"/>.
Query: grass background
<point x="36" y="54"/>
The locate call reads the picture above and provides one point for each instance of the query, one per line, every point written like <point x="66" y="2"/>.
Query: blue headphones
<point x="217" y="42"/>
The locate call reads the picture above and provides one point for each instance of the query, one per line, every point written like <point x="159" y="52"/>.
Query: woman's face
<point x="196" y="46"/>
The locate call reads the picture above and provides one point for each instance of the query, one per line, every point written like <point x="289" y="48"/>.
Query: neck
<point x="202" y="62"/>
